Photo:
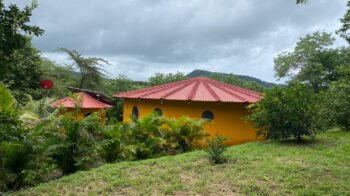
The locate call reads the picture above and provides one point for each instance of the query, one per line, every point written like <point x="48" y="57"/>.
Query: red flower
<point x="46" y="84"/>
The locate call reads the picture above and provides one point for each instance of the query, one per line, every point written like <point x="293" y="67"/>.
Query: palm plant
<point x="147" y="136"/>
<point x="115" y="145"/>
<point x="72" y="143"/>
<point x="21" y="154"/>
<point x="185" y="132"/>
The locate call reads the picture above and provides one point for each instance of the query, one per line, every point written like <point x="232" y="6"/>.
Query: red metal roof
<point x="86" y="102"/>
<point x="195" y="89"/>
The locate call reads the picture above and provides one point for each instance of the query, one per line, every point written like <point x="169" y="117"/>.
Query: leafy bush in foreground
<point x="286" y="113"/>
<point x="22" y="159"/>
<point x="185" y="133"/>
<point x="151" y="136"/>
<point x="216" y="148"/>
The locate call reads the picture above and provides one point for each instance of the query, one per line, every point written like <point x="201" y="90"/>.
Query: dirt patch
<point x="188" y="178"/>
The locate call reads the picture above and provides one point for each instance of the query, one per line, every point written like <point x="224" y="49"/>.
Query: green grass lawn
<point x="262" y="168"/>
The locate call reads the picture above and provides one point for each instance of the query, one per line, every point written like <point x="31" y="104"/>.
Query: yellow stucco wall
<point x="227" y="116"/>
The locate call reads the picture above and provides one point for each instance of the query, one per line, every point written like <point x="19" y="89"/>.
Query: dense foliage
<point x="20" y="63"/>
<point x="21" y="151"/>
<point x="285" y="113"/>
<point x="160" y="78"/>
<point x="344" y="30"/>
<point x="37" y="144"/>
<point x="336" y="110"/>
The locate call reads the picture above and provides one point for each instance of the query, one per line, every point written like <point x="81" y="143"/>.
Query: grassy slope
<point x="264" y="168"/>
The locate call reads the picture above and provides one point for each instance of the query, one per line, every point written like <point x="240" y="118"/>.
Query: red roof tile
<point x="86" y="102"/>
<point x="194" y="89"/>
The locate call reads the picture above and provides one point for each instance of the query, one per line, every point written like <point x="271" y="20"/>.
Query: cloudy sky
<point x="141" y="37"/>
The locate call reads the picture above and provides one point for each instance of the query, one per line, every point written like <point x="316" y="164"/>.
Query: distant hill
<point x="203" y="73"/>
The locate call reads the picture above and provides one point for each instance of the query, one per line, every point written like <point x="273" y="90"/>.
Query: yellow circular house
<point x="223" y="104"/>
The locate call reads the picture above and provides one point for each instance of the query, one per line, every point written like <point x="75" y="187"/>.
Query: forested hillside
<point x="197" y="73"/>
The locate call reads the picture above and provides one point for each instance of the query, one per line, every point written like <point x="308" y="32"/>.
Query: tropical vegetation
<point x="48" y="145"/>
<point x="315" y="167"/>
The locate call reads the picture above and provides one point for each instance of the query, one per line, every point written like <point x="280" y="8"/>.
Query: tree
<point x="20" y="62"/>
<point x="89" y="68"/>
<point x="285" y="113"/>
<point x="312" y="61"/>
<point x="337" y="103"/>
<point x="344" y="30"/>
<point x="160" y="78"/>
<point x="14" y="27"/>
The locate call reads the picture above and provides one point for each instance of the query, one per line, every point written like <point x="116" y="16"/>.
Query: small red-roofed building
<point x="86" y="102"/>
<point x="223" y="104"/>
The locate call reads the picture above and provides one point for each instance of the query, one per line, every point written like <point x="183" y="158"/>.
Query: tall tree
<point x="344" y="30"/>
<point x="313" y="61"/>
<point x="19" y="61"/>
<point x="89" y="68"/>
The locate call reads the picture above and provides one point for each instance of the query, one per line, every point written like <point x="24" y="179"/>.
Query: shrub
<point x="285" y="113"/>
<point x="185" y="133"/>
<point x="22" y="162"/>
<point x="73" y="143"/>
<point x="115" y="146"/>
<point x="150" y="136"/>
<point x="216" y="149"/>
<point x="337" y="102"/>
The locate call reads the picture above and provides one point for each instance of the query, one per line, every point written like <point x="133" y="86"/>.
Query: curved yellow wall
<point x="227" y="116"/>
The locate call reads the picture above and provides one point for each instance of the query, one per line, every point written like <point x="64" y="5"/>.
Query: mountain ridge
<point x="205" y="73"/>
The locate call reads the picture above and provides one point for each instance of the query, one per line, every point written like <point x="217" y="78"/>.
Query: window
<point x="158" y="111"/>
<point x="209" y="115"/>
<point x="87" y="114"/>
<point x="135" y="112"/>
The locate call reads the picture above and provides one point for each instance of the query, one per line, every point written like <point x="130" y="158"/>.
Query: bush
<point x="337" y="101"/>
<point x="73" y="143"/>
<point x="185" y="133"/>
<point x="22" y="162"/>
<point x="216" y="149"/>
<point x="151" y="136"/>
<point x="286" y="113"/>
